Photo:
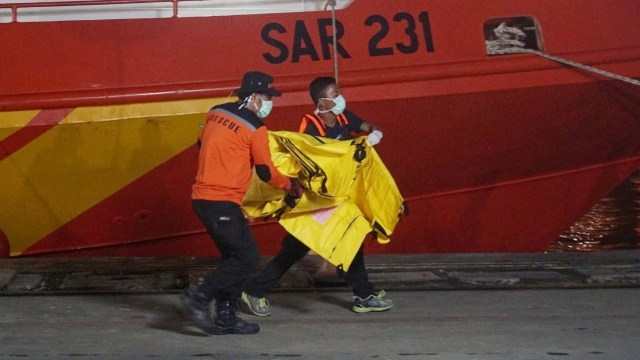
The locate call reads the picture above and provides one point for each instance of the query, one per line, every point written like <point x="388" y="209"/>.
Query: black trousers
<point x="293" y="250"/>
<point x="231" y="234"/>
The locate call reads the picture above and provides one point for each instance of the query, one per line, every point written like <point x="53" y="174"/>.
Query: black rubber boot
<point x="227" y="321"/>
<point x="197" y="306"/>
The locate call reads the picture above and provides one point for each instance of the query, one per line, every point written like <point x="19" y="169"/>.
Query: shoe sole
<point x="247" y="310"/>
<point x="363" y="310"/>
<point x="229" y="331"/>
<point x="223" y="331"/>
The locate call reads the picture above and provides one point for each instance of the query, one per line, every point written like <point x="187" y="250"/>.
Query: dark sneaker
<point x="253" y="305"/>
<point x="197" y="307"/>
<point x="373" y="302"/>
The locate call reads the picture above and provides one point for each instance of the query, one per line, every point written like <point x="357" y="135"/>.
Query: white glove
<point x="374" y="137"/>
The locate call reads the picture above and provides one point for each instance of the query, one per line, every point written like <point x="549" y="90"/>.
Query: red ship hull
<point x="492" y="153"/>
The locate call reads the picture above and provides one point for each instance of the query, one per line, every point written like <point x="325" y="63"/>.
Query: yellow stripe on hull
<point x="90" y="155"/>
<point x="12" y="121"/>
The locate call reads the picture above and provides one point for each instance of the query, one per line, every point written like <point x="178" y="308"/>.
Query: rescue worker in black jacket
<point x="331" y="120"/>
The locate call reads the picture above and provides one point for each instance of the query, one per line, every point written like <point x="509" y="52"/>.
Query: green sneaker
<point x="373" y="302"/>
<point x="253" y="305"/>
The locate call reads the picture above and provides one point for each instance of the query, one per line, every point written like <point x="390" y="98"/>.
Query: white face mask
<point x="265" y="108"/>
<point x="338" y="108"/>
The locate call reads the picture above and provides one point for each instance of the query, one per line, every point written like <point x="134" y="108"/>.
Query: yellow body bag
<point x="349" y="193"/>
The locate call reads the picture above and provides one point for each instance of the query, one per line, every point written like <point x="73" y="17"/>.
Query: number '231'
<point x="411" y="44"/>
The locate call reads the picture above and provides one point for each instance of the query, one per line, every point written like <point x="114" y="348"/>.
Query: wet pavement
<point x="491" y="306"/>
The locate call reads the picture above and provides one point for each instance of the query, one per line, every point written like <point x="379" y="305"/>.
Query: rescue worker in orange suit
<point x="332" y="120"/>
<point x="233" y="141"/>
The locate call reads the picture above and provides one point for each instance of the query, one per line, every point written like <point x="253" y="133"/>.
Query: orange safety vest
<point x="317" y="121"/>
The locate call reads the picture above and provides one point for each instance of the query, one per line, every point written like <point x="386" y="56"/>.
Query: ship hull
<point x="493" y="154"/>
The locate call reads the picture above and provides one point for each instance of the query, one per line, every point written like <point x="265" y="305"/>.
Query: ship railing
<point x="79" y="10"/>
<point x="14" y="7"/>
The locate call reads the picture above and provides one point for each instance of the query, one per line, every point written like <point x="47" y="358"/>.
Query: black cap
<point x="257" y="82"/>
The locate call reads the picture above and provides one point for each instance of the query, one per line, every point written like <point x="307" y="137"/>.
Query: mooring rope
<point x="509" y="41"/>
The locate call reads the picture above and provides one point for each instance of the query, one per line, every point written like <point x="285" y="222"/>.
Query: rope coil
<point x="509" y="42"/>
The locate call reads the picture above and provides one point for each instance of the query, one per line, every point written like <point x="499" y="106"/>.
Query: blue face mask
<point x="265" y="109"/>
<point x="338" y="108"/>
<point x="340" y="105"/>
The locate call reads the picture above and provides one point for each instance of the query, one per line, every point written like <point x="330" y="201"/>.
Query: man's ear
<point x="254" y="98"/>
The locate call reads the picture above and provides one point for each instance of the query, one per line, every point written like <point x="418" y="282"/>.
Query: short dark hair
<point x="318" y="86"/>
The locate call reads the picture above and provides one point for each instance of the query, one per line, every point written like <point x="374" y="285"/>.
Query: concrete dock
<point x="491" y="306"/>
